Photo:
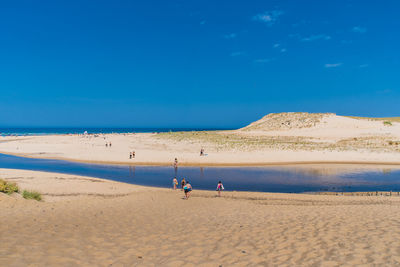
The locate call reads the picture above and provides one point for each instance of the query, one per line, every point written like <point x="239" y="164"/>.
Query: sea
<point x="21" y="131"/>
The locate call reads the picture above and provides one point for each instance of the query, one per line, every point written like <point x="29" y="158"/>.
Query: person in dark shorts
<point x="188" y="189"/>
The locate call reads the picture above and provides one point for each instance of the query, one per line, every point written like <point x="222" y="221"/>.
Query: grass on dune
<point x="32" y="195"/>
<point x="8" y="188"/>
<point x="388" y="119"/>
<point x="231" y="141"/>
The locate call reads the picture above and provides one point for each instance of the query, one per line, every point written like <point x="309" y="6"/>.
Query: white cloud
<point x="279" y="46"/>
<point x="230" y="36"/>
<point x="334" y="65"/>
<point x="358" y="29"/>
<point x="316" y="37"/>
<point x="269" y="17"/>
<point x="235" y="54"/>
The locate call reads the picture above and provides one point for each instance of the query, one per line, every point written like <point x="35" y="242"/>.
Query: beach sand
<point x="94" y="222"/>
<point x="285" y="138"/>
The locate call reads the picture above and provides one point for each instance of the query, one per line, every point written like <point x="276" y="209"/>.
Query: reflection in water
<point x="386" y="171"/>
<point x="132" y="172"/>
<point x="299" y="178"/>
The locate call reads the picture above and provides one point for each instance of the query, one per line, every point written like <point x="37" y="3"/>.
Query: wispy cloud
<point x="316" y="38"/>
<point x="359" y="29"/>
<point x="238" y="53"/>
<point x="364" y="66"/>
<point x="333" y="65"/>
<point x="279" y="46"/>
<point x="230" y="36"/>
<point x="268" y="17"/>
<point x="202" y="22"/>
<point x="262" y="60"/>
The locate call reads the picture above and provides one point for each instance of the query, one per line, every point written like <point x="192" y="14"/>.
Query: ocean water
<point x="290" y="179"/>
<point x="81" y="130"/>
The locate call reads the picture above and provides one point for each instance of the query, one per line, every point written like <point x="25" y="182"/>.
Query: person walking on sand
<point x="183" y="182"/>
<point x="130" y="155"/>
<point x="220" y="187"/>
<point x="187" y="188"/>
<point x="174" y="183"/>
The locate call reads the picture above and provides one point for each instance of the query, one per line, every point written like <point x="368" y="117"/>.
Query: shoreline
<point x="207" y="164"/>
<point x="125" y="189"/>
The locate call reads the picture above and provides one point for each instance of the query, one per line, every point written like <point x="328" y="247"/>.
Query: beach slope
<point x="110" y="223"/>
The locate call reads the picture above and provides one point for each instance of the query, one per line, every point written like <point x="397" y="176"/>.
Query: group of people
<point x="132" y="155"/>
<point x="187" y="187"/>
<point x="108" y="144"/>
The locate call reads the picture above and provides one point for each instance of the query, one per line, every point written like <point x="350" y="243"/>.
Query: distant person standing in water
<point x="176" y="163"/>
<point x="220" y="187"/>
<point x="174" y="183"/>
<point x="188" y="189"/>
<point x="183" y="182"/>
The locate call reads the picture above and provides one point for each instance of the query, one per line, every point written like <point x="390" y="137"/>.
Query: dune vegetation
<point x="8" y="188"/>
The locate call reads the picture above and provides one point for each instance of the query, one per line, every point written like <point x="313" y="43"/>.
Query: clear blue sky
<point x="198" y="63"/>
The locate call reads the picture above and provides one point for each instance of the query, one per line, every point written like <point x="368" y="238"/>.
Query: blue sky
<point x="195" y="63"/>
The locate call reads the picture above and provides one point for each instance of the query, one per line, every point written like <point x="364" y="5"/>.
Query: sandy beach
<point x="88" y="221"/>
<point x="284" y="138"/>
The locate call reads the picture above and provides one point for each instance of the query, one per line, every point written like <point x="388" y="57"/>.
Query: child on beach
<point x="174" y="183"/>
<point x="220" y="187"/>
<point x="187" y="188"/>
<point x="183" y="182"/>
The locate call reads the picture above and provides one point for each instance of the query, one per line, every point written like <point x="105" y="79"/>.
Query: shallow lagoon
<point x="284" y="179"/>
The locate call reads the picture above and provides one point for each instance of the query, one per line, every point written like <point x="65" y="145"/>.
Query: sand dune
<point x="128" y="225"/>
<point x="276" y="138"/>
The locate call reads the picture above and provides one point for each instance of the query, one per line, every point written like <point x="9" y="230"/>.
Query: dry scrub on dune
<point x="287" y="120"/>
<point x="231" y="141"/>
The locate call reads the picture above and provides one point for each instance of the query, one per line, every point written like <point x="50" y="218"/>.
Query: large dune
<point x="322" y="125"/>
